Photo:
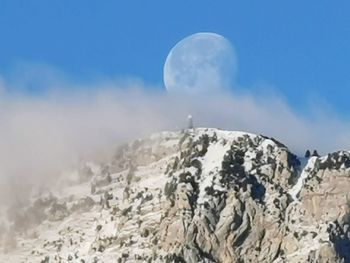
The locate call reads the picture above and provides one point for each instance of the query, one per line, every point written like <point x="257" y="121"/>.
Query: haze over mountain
<point x="199" y="195"/>
<point x="99" y="161"/>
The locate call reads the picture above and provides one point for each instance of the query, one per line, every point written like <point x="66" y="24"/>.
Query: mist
<point x="43" y="135"/>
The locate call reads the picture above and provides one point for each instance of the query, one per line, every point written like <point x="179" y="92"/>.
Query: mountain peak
<point x="198" y="195"/>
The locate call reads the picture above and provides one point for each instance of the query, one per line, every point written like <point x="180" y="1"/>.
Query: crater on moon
<point x="202" y="63"/>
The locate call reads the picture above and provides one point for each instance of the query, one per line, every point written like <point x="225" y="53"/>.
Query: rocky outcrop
<point x="319" y="220"/>
<point x="202" y="195"/>
<point x="232" y="211"/>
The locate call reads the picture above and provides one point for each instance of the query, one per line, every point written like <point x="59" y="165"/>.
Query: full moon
<point x="202" y="63"/>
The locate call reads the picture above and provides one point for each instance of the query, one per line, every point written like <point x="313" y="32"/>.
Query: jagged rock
<point x="307" y="154"/>
<point x="203" y="195"/>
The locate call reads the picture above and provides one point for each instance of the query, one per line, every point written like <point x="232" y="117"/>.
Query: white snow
<point x="304" y="174"/>
<point x="151" y="176"/>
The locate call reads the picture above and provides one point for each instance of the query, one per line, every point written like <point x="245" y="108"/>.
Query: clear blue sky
<point x="301" y="48"/>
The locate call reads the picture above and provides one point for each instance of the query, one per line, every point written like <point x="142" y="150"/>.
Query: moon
<point x="202" y="63"/>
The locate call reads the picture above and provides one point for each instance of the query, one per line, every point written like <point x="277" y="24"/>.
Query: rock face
<point x="203" y="195"/>
<point x="319" y="220"/>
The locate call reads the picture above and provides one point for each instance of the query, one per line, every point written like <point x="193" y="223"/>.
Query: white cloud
<point x="41" y="135"/>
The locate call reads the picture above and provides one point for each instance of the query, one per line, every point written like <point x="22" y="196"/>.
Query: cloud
<point x="45" y="134"/>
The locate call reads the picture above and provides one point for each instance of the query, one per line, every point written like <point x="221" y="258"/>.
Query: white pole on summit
<point x="190" y="122"/>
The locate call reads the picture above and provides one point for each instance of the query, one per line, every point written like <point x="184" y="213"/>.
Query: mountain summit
<point x="201" y="195"/>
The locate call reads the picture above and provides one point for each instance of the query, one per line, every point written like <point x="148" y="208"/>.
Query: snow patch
<point x="304" y="174"/>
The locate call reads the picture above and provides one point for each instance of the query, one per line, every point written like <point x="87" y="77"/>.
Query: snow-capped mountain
<point x="201" y="195"/>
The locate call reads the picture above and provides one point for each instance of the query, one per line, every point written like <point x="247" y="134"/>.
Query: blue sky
<point x="299" y="49"/>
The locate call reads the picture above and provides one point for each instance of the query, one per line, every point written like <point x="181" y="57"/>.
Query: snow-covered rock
<point x="201" y="195"/>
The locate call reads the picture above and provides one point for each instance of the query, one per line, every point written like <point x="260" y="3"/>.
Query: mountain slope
<point x="202" y="195"/>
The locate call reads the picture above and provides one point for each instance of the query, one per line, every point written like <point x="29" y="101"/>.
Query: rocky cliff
<point x="202" y="195"/>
